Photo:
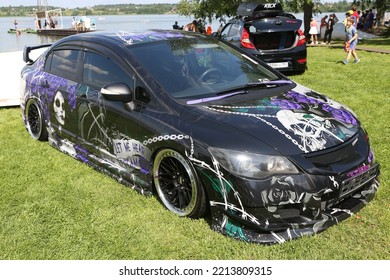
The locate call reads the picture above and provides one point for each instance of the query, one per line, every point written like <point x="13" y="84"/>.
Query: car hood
<point x="292" y="122"/>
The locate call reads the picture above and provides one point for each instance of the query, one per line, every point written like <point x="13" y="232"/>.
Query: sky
<point x="81" y="3"/>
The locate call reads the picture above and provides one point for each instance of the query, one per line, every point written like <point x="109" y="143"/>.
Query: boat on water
<point x="50" y="22"/>
<point x="27" y="30"/>
<point x="60" y="32"/>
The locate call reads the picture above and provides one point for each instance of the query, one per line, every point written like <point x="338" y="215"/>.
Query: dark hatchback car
<point x="208" y="128"/>
<point x="272" y="35"/>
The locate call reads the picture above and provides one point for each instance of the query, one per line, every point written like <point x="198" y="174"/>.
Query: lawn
<point x="378" y="43"/>
<point x="54" y="207"/>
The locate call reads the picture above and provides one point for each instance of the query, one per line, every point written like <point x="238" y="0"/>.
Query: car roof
<point x="127" y="38"/>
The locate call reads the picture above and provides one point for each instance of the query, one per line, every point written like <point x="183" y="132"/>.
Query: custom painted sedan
<point x="209" y="129"/>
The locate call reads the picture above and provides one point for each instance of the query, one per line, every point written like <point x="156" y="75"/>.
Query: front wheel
<point x="35" y="122"/>
<point x="177" y="184"/>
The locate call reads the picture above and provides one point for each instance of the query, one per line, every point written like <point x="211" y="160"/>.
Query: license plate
<point x="278" y="64"/>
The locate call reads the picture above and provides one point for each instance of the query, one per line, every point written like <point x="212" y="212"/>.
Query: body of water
<point x="133" y="23"/>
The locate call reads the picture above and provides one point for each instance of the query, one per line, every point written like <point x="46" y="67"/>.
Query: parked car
<point x="272" y="35"/>
<point x="209" y="129"/>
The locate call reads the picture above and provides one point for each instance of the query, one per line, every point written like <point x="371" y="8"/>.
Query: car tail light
<point x="245" y="41"/>
<point x="301" y="38"/>
<point x="301" y="61"/>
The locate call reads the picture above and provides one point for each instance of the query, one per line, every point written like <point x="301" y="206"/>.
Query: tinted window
<point x="198" y="66"/>
<point x="234" y="30"/>
<point x="225" y="31"/>
<point x="64" y="63"/>
<point x="100" y="71"/>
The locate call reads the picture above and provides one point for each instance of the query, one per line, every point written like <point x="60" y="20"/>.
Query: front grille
<point x="337" y="159"/>
<point x="351" y="185"/>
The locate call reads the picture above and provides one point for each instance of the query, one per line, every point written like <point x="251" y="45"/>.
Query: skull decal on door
<point x="59" y="108"/>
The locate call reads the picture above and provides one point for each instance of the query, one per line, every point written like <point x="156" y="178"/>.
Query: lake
<point x="12" y="42"/>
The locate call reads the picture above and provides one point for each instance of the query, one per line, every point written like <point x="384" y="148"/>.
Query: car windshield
<point x="198" y="67"/>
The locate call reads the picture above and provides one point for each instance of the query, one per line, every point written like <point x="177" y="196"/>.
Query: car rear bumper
<point x="286" y="61"/>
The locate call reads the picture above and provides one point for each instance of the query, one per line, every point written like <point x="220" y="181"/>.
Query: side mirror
<point x="117" y="92"/>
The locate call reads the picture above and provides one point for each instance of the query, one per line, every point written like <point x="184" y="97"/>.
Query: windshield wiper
<point x="239" y="90"/>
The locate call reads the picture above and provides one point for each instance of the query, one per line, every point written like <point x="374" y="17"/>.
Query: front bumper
<point x="312" y="213"/>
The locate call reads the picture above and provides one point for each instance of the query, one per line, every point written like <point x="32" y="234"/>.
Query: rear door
<point x="59" y="84"/>
<point x="232" y="33"/>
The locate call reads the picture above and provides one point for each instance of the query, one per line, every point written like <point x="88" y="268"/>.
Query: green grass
<point x="54" y="207"/>
<point x="377" y="43"/>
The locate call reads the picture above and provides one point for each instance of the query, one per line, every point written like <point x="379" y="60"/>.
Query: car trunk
<point x="274" y="34"/>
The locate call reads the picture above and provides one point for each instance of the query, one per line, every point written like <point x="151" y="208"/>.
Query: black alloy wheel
<point x="35" y="122"/>
<point x="177" y="185"/>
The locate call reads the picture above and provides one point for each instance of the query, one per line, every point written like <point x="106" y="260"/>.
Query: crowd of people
<point x="354" y="21"/>
<point x="194" y="26"/>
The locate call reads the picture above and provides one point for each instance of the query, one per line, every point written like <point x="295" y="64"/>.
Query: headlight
<point x="250" y="165"/>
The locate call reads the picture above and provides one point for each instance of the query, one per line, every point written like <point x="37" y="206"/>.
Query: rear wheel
<point x="35" y="122"/>
<point x="177" y="184"/>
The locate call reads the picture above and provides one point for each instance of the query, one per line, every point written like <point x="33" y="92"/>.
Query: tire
<point x="35" y="122"/>
<point x="177" y="185"/>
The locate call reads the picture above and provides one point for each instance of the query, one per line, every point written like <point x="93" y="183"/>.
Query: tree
<point x="308" y="6"/>
<point x="209" y="9"/>
<point x="381" y="6"/>
<point x="220" y="9"/>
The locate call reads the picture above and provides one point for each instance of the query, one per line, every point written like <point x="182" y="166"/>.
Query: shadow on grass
<point x="377" y="42"/>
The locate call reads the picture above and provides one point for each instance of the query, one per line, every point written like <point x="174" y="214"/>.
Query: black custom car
<point x="209" y="129"/>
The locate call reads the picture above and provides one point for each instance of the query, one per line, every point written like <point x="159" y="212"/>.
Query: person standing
<point x="335" y="18"/>
<point x="17" y="31"/>
<point x="323" y="23"/>
<point x="355" y="14"/>
<point x="51" y="23"/>
<point x="351" y="41"/>
<point x="370" y="21"/>
<point x="74" y="23"/>
<point x="313" y="31"/>
<point x="329" y="29"/>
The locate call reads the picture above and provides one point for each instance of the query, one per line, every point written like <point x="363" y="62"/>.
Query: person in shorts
<point x="313" y="31"/>
<point x="351" y="41"/>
